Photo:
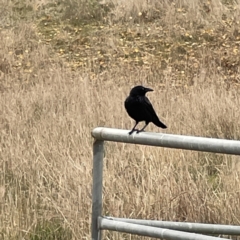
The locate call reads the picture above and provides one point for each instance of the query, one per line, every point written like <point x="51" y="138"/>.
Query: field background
<point x="67" y="66"/>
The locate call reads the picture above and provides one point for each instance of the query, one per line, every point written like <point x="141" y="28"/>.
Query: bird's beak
<point x="148" y="90"/>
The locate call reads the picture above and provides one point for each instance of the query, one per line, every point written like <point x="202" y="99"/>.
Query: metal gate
<point x="157" y="229"/>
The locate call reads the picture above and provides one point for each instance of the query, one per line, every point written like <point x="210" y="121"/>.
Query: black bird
<point x="140" y="109"/>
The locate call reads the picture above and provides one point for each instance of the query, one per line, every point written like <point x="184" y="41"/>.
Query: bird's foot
<point x="134" y="130"/>
<point x="138" y="131"/>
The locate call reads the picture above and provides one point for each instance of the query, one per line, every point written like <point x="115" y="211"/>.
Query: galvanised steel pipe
<point x="203" y="228"/>
<point x="168" y="140"/>
<point x="142" y="230"/>
<point x="97" y="187"/>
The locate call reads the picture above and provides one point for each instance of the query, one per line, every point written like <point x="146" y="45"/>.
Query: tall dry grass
<point x="47" y="114"/>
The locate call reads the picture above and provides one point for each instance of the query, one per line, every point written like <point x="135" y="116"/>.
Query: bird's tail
<point x="158" y="123"/>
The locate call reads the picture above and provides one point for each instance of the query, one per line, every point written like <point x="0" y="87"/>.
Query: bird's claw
<point x="134" y="130"/>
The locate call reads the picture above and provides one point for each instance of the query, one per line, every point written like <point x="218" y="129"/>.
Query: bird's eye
<point x="143" y="88"/>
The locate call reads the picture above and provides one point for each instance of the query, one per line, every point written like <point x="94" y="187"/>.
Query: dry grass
<point x="48" y="109"/>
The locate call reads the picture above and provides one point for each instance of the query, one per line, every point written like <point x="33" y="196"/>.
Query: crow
<point x="140" y="109"/>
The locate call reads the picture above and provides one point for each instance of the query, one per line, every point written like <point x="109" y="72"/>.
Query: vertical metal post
<point x="97" y="187"/>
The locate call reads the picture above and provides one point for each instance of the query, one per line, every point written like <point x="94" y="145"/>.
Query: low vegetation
<point x="67" y="66"/>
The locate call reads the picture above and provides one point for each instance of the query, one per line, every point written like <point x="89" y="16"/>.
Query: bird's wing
<point x="152" y="114"/>
<point x="149" y="108"/>
<point x="147" y="101"/>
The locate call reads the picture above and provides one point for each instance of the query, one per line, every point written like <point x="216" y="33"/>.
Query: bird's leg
<point x="141" y="130"/>
<point x="133" y="129"/>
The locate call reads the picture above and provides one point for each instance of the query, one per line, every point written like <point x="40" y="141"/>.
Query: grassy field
<point x="67" y="67"/>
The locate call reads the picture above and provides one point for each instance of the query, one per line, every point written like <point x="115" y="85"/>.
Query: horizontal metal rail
<point x="147" y="231"/>
<point x="185" y="226"/>
<point x="169" y="140"/>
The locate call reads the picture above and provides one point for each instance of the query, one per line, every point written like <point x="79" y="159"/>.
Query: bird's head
<point x="139" y="91"/>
